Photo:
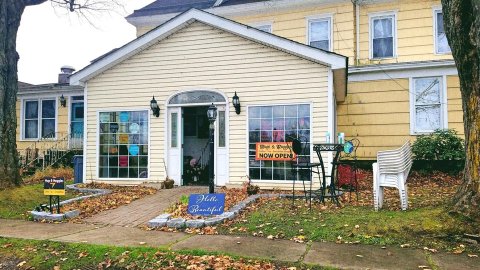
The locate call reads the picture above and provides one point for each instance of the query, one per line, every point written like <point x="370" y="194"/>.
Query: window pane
<point x="322" y="44"/>
<point x="265" y="28"/>
<point x="427" y="91"/>
<point x="221" y="128"/>
<point x="442" y="42"/>
<point x="48" y="128"/>
<point x="427" y="118"/>
<point x="31" y="110"/>
<point x="382" y="47"/>
<point x="48" y="108"/>
<point x="173" y="130"/>
<point x="31" y="129"/>
<point x="382" y="28"/>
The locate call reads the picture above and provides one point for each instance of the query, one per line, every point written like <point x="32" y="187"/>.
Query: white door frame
<point x="171" y="107"/>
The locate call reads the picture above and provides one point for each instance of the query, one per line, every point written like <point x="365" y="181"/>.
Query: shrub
<point x="65" y="172"/>
<point x="443" y="144"/>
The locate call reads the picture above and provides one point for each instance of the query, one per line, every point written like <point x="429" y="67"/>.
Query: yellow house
<point x="277" y="56"/>
<point x="49" y="120"/>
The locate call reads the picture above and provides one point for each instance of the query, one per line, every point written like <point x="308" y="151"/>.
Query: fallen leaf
<point x="20" y="264"/>
<point x="472" y="256"/>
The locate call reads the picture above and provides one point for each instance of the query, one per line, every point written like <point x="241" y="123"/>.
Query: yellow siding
<point x="455" y="112"/>
<point x="378" y="114"/>
<point x="202" y="57"/>
<point x="415" y="32"/>
<point x="62" y="124"/>
<point x="292" y="24"/>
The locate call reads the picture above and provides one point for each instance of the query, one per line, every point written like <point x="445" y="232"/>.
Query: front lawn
<point x="16" y="202"/>
<point x="425" y="224"/>
<point x="30" y="254"/>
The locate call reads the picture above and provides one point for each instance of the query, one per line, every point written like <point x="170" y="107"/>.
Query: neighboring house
<point x="402" y="82"/>
<point x="49" y="120"/>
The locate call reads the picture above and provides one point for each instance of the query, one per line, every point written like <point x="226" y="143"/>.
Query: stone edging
<point x="165" y="220"/>
<point x="36" y="215"/>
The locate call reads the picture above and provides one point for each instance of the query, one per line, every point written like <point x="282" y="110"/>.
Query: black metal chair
<point x="349" y="158"/>
<point x="301" y="166"/>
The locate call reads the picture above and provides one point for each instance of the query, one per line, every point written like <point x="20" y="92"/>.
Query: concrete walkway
<point x="140" y="211"/>
<point x="340" y="256"/>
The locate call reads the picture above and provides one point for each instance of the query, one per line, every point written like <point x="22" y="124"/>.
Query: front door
<point x="76" y="125"/>
<point x="175" y="144"/>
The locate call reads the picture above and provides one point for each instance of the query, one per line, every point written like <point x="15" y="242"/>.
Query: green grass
<point x="47" y="255"/>
<point x="429" y="226"/>
<point x="16" y="202"/>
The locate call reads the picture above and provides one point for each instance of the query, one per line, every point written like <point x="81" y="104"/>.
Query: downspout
<point x="357" y="32"/>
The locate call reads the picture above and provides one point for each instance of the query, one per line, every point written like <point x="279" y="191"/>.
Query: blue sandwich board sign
<point x="206" y="204"/>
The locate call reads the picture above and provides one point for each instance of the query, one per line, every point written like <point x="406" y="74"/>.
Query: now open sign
<point x="206" y="204"/>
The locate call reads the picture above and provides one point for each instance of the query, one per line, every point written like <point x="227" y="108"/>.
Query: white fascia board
<point x="50" y="92"/>
<point x="403" y="70"/>
<point x="335" y="61"/>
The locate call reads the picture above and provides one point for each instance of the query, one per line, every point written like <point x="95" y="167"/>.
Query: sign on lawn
<point x="206" y="204"/>
<point x="54" y="186"/>
<point x="278" y="151"/>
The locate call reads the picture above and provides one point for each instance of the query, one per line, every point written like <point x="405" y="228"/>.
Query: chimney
<point x="64" y="76"/>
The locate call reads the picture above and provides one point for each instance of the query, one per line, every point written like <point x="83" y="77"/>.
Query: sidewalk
<point x="118" y="227"/>
<point x="340" y="256"/>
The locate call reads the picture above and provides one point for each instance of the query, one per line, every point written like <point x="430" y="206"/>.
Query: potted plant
<point x="168" y="183"/>
<point x="249" y="188"/>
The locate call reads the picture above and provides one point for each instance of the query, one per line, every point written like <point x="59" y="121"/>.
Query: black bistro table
<point x="329" y="191"/>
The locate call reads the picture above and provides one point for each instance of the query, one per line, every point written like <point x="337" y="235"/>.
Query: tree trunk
<point x="462" y="26"/>
<point x="10" y="14"/>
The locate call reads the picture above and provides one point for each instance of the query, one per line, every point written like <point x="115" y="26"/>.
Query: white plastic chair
<point x="391" y="170"/>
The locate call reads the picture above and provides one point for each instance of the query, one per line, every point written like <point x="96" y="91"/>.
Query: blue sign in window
<point x="206" y="204"/>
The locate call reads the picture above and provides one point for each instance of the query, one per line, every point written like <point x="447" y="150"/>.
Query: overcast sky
<point x="49" y="38"/>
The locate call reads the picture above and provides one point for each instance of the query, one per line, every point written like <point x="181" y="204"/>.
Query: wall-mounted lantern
<point x="236" y="103"/>
<point x="63" y="101"/>
<point x="154" y="107"/>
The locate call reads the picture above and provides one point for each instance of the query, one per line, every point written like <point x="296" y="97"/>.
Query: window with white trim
<point x="277" y="123"/>
<point x="264" y="27"/>
<point x="123" y="144"/>
<point x="441" y="42"/>
<point x="427" y="108"/>
<point x="319" y="33"/>
<point x="39" y="118"/>
<point x="382" y="36"/>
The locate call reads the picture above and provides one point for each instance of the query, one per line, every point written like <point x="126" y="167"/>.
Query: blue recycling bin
<point x="78" y="169"/>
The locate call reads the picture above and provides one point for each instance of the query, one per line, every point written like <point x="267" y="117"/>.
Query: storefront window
<point x="277" y="124"/>
<point x="123" y="141"/>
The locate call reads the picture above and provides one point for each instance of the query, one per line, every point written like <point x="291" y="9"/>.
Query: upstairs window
<point x="319" y="33"/>
<point x="441" y="42"/>
<point x="382" y="34"/>
<point x="39" y="119"/>
<point x="427" y="109"/>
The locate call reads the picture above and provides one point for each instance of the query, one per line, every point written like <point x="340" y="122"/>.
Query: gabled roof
<point x="171" y="6"/>
<point x="333" y="60"/>
<point x="47" y="88"/>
